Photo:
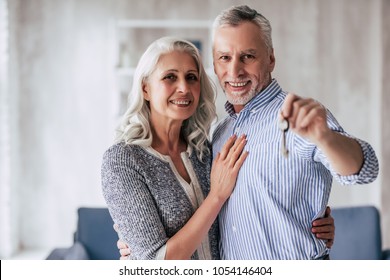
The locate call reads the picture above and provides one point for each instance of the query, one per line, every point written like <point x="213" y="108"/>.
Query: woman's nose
<point x="183" y="86"/>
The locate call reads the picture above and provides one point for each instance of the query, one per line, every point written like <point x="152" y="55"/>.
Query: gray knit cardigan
<point x="147" y="201"/>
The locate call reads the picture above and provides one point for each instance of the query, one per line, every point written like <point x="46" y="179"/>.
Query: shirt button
<point x="234" y="229"/>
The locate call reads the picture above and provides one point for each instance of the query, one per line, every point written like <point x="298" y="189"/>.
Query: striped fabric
<point x="270" y="212"/>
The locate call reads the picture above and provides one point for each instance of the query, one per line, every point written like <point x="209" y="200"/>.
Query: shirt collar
<point x="260" y="100"/>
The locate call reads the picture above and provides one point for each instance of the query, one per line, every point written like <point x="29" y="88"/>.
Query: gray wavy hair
<point x="135" y="126"/>
<point x="238" y="14"/>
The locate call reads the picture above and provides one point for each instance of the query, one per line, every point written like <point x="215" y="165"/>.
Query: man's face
<point x="242" y="62"/>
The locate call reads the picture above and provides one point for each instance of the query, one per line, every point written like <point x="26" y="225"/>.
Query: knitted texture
<point x="146" y="200"/>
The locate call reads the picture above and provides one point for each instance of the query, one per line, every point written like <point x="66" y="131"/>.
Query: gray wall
<point x="384" y="123"/>
<point x="62" y="74"/>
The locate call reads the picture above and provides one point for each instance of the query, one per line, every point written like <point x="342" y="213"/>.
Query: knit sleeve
<point x="131" y="205"/>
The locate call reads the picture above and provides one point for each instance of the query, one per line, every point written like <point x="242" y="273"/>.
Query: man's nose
<point x="235" y="67"/>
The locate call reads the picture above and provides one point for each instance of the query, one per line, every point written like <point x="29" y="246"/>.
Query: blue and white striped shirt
<point x="270" y="212"/>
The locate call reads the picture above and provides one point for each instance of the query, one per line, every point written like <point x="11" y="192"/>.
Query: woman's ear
<point x="145" y="90"/>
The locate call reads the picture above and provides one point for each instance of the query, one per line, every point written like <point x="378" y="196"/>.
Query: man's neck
<point x="238" y="108"/>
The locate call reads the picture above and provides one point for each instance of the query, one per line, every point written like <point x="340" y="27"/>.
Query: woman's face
<point x="173" y="89"/>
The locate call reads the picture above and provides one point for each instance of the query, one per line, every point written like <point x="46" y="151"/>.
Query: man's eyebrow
<point x="250" y="51"/>
<point x="222" y="52"/>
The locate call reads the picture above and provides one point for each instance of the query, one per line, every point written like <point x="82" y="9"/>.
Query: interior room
<point x="65" y="75"/>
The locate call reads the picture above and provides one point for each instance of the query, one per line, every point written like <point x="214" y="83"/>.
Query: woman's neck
<point x="168" y="140"/>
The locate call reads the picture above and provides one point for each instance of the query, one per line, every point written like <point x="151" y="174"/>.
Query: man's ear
<point x="272" y="61"/>
<point x="145" y="90"/>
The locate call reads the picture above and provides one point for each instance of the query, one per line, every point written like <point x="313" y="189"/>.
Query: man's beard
<point x="241" y="99"/>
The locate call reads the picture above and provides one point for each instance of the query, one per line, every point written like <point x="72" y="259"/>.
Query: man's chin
<point x="239" y="100"/>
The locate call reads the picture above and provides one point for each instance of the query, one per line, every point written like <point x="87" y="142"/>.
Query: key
<point x="283" y="126"/>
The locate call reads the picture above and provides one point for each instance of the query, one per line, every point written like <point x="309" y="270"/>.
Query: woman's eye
<point x="192" y="77"/>
<point x="224" y="58"/>
<point x="170" y="77"/>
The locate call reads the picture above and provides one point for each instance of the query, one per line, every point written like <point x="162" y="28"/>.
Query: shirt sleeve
<point x="369" y="170"/>
<point x="132" y="207"/>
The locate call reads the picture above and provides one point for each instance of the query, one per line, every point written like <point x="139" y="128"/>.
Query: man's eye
<point x="247" y="57"/>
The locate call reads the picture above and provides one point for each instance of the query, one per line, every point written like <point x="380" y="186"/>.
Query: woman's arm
<point x="125" y="209"/>
<point x="131" y="204"/>
<point x="223" y="179"/>
<point x="324" y="228"/>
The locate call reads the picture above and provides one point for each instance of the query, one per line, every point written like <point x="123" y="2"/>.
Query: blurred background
<point x="65" y="71"/>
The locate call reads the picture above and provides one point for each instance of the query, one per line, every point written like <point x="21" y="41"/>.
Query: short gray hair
<point x="238" y="14"/>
